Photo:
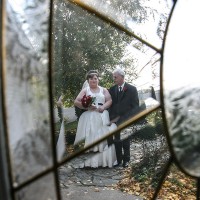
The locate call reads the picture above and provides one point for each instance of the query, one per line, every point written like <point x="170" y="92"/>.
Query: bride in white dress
<point x="93" y="123"/>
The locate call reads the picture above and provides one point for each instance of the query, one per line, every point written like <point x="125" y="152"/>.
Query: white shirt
<point x="122" y="86"/>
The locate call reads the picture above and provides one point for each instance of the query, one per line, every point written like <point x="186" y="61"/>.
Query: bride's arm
<point x="108" y="101"/>
<point x="77" y="101"/>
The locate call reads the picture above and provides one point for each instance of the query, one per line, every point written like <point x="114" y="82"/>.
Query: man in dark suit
<point x="125" y="102"/>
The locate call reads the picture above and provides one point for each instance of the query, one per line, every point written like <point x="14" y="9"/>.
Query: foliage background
<point x="83" y="42"/>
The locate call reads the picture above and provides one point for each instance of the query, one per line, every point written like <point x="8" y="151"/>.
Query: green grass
<point x="71" y="126"/>
<point x="68" y="126"/>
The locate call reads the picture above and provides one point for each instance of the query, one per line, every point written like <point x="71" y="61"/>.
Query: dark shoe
<point x="125" y="164"/>
<point x="118" y="165"/>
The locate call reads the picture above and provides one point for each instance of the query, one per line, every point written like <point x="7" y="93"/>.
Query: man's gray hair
<point x="119" y="71"/>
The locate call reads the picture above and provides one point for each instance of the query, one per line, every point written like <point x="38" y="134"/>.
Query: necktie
<point x="120" y="93"/>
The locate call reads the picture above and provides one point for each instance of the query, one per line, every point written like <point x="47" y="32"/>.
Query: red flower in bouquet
<point x="125" y="89"/>
<point x="87" y="101"/>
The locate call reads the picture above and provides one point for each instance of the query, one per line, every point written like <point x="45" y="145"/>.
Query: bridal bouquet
<point x="87" y="101"/>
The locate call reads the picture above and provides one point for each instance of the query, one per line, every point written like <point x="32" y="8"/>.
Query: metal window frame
<point x="7" y="189"/>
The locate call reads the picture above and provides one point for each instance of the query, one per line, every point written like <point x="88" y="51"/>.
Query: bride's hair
<point x="91" y="74"/>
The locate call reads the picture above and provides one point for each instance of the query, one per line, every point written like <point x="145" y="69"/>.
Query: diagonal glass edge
<point x="112" y="21"/>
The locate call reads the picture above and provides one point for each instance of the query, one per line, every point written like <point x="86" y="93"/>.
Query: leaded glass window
<point x="46" y="49"/>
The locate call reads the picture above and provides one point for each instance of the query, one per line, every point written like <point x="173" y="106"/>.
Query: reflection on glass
<point x="26" y="88"/>
<point x="182" y="85"/>
<point x="42" y="189"/>
<point x="83" y="42"/>
<point x="145" y="18"/>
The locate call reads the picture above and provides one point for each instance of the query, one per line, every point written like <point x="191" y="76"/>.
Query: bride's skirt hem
<point x="107" y="158"/>
<point x="92" y="127"/>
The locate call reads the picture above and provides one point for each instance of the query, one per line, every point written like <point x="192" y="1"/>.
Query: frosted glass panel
<point x="42" y="189"/>
<point x="26" y="88"/>
<point x="182" y="84"/>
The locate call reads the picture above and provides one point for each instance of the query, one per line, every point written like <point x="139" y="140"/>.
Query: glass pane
<point x="83" y="42"/>
<point x="26" y="88"/>
<point x="145" y="18"/>
<point x="43" y="189"/>
<point x="181" y="85"/>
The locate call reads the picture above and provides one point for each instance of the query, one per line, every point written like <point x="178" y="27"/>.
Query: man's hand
<point x="113" y="120"/>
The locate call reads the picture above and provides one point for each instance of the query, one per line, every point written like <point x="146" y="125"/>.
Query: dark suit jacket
<point x="124" y="106"/>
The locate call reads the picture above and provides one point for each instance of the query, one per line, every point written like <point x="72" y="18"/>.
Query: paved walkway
<point x="90" y="184"/>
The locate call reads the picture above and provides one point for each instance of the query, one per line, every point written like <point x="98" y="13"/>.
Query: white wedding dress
<point x="91" y="127"/>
